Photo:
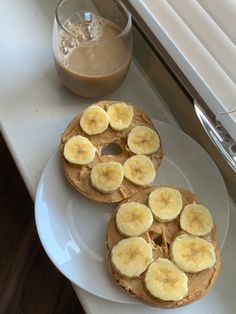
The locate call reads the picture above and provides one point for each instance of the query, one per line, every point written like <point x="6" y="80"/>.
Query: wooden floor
<point x="29" y="283"/>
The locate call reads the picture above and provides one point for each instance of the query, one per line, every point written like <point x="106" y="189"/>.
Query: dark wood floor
<point x="29" y="283"/>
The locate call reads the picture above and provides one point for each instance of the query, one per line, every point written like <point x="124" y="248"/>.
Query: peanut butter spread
<point x="79" y="175"/>
<point x="163" y="234"/>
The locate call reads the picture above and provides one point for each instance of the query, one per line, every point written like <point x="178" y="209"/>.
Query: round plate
<point x="72" y="228"/>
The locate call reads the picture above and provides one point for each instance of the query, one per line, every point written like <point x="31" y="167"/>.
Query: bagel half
<point x="79" y="175"/>
<point x="199" y="283"/>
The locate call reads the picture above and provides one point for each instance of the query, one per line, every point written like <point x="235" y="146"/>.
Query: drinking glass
<point x="92" y="45"/>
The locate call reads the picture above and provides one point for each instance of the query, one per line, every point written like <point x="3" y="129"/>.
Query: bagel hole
<point x="111" y="149"/>
<point x="158" y="240"/>
<point x="156" y="237"/>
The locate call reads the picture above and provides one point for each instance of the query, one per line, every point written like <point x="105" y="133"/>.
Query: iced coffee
<point x="92" y="54"/>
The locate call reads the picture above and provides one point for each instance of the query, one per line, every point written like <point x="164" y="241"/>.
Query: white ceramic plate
<point x="72" y="228"/>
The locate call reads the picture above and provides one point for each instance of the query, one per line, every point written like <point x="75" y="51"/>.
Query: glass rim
<point x="123" y="33"/>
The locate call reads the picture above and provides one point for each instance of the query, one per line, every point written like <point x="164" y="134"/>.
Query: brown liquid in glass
<point x="98" y="68"/>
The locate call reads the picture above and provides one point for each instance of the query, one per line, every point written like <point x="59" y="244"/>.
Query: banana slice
<point x="165" y="203"/>
<point x="196" y="219"/>
<point x="106" y="177"/>
<point x="133" y="219"/>
<point x="79" y="150"/>
<point x="131" y="256"/>
<point x="192" y="254"/>
<point x="120" y="115"/>
<point x="139" y="170"/>
<point x="143" y="140"/>
<point x="164" y="280"/>
<point x="94" y="120"/>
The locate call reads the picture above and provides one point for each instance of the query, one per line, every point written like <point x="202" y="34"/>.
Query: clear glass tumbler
<point x="92" y="45"/>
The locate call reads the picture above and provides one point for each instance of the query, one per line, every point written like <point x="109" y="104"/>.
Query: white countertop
<point x="34" y="110"/>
